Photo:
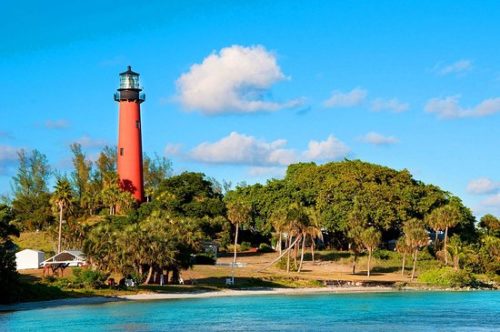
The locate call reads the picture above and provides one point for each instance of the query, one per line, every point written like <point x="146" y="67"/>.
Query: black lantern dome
<point x="129" y="87"/>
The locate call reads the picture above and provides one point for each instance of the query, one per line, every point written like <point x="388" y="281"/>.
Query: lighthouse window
<point x="138" y="124"/>
<point x="121" y="151"/>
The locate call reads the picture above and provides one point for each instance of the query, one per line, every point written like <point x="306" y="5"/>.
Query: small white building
<point x="29" y="259"/>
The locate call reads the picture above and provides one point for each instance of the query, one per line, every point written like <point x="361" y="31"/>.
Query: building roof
<point x="66" y="256"/>
<point x="129" y="72"/>
<point x="33" y="250"/>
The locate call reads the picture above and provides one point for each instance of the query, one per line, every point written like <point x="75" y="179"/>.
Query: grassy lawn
<point x="36" y="241"/>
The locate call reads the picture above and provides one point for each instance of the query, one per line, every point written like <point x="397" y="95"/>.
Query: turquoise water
<point x="400" y="311"/>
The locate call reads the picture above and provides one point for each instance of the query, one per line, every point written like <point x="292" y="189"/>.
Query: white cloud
<point x="348" y="99"/>
<point x="88" y="142"/>
<point x="8" y="157"/>
<point x="378" y="139"/>
<point x="330" y="149"/>
<point x="233" y="80"/>
<point x="449" y="108"/>
<point x="56" y="124"/>
<point x="392" y="105"/>
<point x="483" y="186"/>
<point x="458" y="67"/>
<point x="242" y="149"/>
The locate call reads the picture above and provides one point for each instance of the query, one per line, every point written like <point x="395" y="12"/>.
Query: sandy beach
<point x="256" y="292"/>
<point x="192" y="295"/>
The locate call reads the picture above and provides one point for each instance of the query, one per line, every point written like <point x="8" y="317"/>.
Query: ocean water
<point x="398" y="311"/>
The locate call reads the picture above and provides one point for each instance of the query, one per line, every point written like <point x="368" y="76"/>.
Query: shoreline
<point x="256" y="292"/>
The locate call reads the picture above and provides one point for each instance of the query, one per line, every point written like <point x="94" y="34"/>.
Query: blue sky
<point x="237" y="90"/>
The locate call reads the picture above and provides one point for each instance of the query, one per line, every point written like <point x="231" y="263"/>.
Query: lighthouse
<point x="129" y="161"/>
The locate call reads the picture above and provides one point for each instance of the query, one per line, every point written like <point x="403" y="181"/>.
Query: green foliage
<point x="31" y="204"/>
<point x="384" y="255"/>
<point x="264" y="247"/>
<point x="204" y="259"/>
<point x="490" y="224"/>
<point x="37" y="241"/>
<point x="88" y="278"/>
<point x="282" y="263"/>
<point x="156" y="169"/>
<point x="9" y="278"/>
<point x="244" y="246"/>
<point x="348" y="193"/>
<point x="489" y="255"/>
<point x="447" y="277"/>
<point x="190" y="195"/>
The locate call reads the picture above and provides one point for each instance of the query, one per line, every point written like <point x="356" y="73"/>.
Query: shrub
<point x="282" y="264"/>
<point x="447" y="277"/>
<point x="244" y="246"/>
<point x="383" y="254"/>
<point x="204" y="259"/>
<point x="264" y="247"/>
<point x="89" y="278"/>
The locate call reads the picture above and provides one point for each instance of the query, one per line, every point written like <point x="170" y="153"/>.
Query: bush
<point x="244" y="246"/>
<point x="264" y="247"/>
<point x="447" y="277"/>
<point x="204" y="259"/>
<point x="89" y="278"/>
<point x="383" y="254"/>
<point x="282" y="264"/>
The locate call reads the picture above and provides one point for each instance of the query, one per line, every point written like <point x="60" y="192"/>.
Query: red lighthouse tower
<point x="129" y="160"/>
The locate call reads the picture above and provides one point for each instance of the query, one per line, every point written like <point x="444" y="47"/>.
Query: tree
<point x="279" y="222"/>
<point x="62" y="198"/>
<point x="490" y="224"/>
<point x="416" y="237"/>
<point x="458" y="251"/>
<point x="31" y="203"/>
<point x="297" y="220"/>
<point x="434" y="222"/>
<point x="357" y="222"/>
<point x="8" y="274"/>
<point x="237" y="213"/>
<point x="191" y="195"/>
<point x="81" y="176"/>
<point x="111" y="195"/>
<point x="156" y="169"/>
<point x="313" y="230"/>
<point x="370" y="238"/>
<point x="446" y="216"/>
<point x="404" y="249"/>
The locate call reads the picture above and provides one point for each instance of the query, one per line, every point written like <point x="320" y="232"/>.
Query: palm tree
<point x="370" y="238"/>
<point x="446" y="216"/>
<point x="433" y="221"/>
<point x="111" y="194"/>
<point x="237" y="213"/>
<point x="459" y="250"/>
<point x="313" y="230"/>
<point x="403" y="248"/>
<point x="297" y="220"/>
<point x="416" y="237"/>
<point x="357" y="220"/>
<point x="62" y="198"/>
<point x="278" y="220"/>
